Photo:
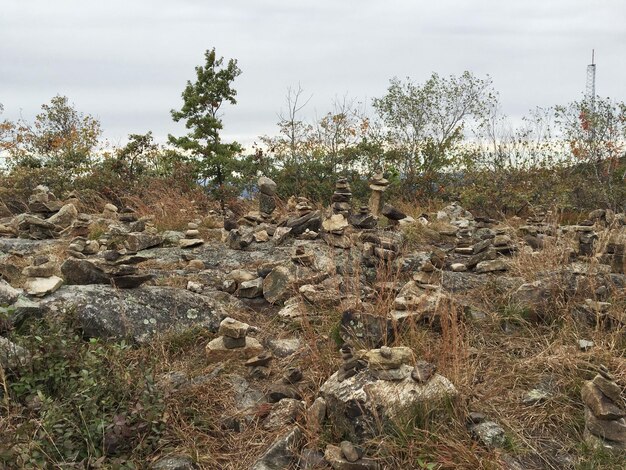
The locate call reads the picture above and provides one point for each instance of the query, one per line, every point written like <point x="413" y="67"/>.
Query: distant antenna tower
<point x="591" y="81"/>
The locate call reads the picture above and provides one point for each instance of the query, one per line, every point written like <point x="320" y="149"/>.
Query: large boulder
<point x="361" y="405"/>
<point x="104" y="311"/>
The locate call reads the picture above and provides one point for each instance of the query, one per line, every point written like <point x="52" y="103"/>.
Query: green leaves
<point x="202" y="102"/>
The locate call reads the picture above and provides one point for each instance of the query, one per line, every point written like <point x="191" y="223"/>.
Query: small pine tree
<point x="202" y="101"/>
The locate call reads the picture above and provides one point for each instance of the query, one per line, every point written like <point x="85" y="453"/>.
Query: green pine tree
<point x="202" y="102"/>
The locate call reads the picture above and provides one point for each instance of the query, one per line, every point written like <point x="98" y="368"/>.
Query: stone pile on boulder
<point x="81" y="247"/>
<point x="40" y="276"/>
<point x="233" y="342"/>
<point x="192" y="237"/>
<point x="364" y="219"/>
<point x="336" y="231"/>
<point x="605" y="422"/>
<point x="360" y="403"/>
<point x="306" y="218"/>
<point x="43" y="202"/>
<point x="111" y="267"/>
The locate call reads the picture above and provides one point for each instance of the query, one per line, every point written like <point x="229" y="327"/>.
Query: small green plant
<point x="82" y="401"/>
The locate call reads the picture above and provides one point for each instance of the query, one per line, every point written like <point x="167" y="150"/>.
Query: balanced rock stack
<point x="605" y="423"/>
<point x="306" y="218"/>
<point x="43" y="202"/>
<point x="335" y="227"/>
<point x="342" y="198"/>
<point x="233" y="342"/>
<point x="81" y="247"/>
<point x="378" y="185"/>
<point x="192" y="237"/>
<point x="364" y="219"/>
<point x="40" y="278"/>
<point x="267" y="203"/>
<point x="111" y="267"/>
<point x="586" y="239"/>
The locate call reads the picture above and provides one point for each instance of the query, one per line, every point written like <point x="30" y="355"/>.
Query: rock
<point x="277" y="285"/>
<point x="423" y="371"/>
<point x="8" y="294"/>
<point x="335" y="458"/>
<point x="612" y="430"/>
<point x="388" y="358"/>
<point x="267" y="186"/>
<point x="251" y="289"/>
<point x="280" y="455"/>
<point x="267" y="204"/>
<point x="216" y="350"/>
<point x="131" y="281"/>
<point x="491" y="266"/>
<point x="361" y="404"/>
<point x="585" y="345"/>
<point x="13" y="356"/>
<point x="350" y="452"/>
<point x="40" y="286"/>
<point x="535" y="396"/>
<point x="186" y="243"/>
<point x="233" y="328"/>
<point x="392" y="213"/>
<point x="83" y="272"/>
<point x="311" y="459"/>
<point x="280" y="391"/>
<point x="103" y="311"/>
<point x="609" y="388"/>
<point x="599" y="404"/>
<point x="315" y="414"/>
<point x="283" y="413"/>
<point x="490" y="434"/>
<point x="458" y="267"/>
<point x="174" y="462"/>
<point x="336" y="223"/>
<point x="138" y="241"/>
<point x="284" y="347"/>
<point x="65" y="216"/>
<point x="311" y="221"/>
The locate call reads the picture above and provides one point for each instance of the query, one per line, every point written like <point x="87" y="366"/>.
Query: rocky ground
<point x="310" y="338"/>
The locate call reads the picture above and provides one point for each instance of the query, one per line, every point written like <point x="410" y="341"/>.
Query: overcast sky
<point x="127" y="61"/>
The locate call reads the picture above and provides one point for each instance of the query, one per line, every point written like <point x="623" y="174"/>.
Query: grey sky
<point x="126" y="62"/>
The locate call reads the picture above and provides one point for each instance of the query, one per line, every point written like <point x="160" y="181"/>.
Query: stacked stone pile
<point x="342" y="198"/>
<point x="40" y="276"/>
<point x="233" y="342"/>
<point x="192" y="237"/>
<point x="378" y="185"/>
<point x="605" y="423"/>
<point x="364" y="219"/>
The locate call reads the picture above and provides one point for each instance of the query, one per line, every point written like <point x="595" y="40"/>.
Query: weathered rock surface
<point x="104" y="311"/>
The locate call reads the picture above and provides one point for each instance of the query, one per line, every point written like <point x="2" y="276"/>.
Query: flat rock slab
<point x="216" y="351"/>
<point x="106" y="312"/>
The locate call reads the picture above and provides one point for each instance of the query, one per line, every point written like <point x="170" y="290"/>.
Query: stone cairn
<point x="40" y="278"/>
<point x="267" y="202"/>
<point x="364" y="219"/>
<point x="378" y="185"/>
<point x="605" y="425"/>
<point x="192" y="237"/>
<point x="233" y="342"/>
<point x="342" y="198"/>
